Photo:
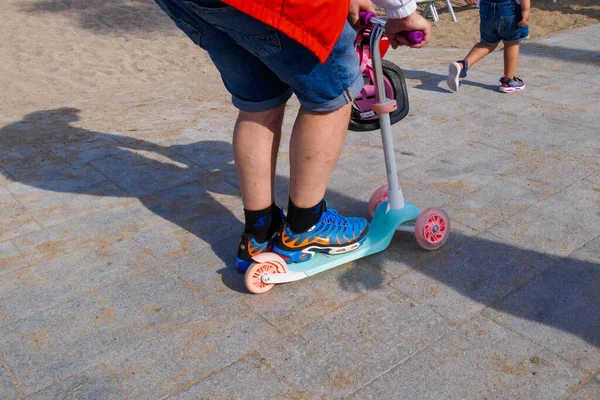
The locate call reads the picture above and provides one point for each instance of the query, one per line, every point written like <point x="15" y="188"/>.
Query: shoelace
<point x="332" y="216"/>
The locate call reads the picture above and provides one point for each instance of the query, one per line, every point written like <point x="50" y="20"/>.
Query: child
<point x="504" y="20"/>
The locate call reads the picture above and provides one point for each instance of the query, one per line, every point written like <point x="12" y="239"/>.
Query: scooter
<point x="390" y="212"/>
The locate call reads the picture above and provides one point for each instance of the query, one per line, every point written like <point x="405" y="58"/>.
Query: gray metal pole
<point x="395" y="198"/>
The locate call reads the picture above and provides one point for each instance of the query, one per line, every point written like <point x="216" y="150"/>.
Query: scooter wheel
<point x="266" y="263"/>
<point x="432" y="228"/>
<point x="377" y="198"/>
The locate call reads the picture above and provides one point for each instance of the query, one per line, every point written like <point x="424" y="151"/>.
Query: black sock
<point x="262" y="224"/>
<point x="300" y="219"/>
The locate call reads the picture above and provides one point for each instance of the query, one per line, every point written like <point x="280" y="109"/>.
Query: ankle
<point x="301" y="219"/>
<point x="262" y="224"/>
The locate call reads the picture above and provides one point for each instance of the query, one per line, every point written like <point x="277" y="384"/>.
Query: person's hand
<point x="525" y="18"/>
<point x="414" y="22"/>
<point x="356" y="6"/>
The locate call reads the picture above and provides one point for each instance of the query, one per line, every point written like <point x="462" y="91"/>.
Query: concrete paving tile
<point x="206" y="273"/>
<point x="417" y="103"/>
<point x="404" y="255"/>
<point x="545" y="173"/>
<point x="594" y="174"/>
<point x="5" y="179"/>
<point x="464" y="279"/>
<point x="590" y="252"/>
<point x="10" y="258"/>
<point x="423" y="195"/>
<point x="491" y="204"/>
<point x="557" y="225"/>
<point x="291" y="306"/>
<point x="441" y="132"/>
<point x="212" y="155"/>
<point x="590" y="391"/>
<point x="91" y="232"/>
<point x="585" y="110"/>
<point x="538" y="134"/>
<point x="345" y="350"/>
<point x="201" y="206"/>
<point x="55" y="191"/>
<point x="166" y="241"/>
<point x="49" y="172"/>
<point x="88" y="148"/>
<point x="452" y="107"/>
<point x="369" y="163"/>
<point x="461" y="171"/>
<point x="587" y="189"/>
<point x="141" y="172"/>
<point x="93" y="383"/>
<point x="44" y="285"/>
<point x="559" y="310"/>
<point x="51" y="208"/>
<point x="575" y="92"/>
<point x="586" y="149"/>
<point x="15" y="220"/>
<point x="66" y="339"/>
<point x="253" y="380"/>
<point x="7" y="389"/>
<point x="175" y="362"/>
<point x="520" y="106"/>
<point x="430" y="86"/>
<point x="480" y="360"/>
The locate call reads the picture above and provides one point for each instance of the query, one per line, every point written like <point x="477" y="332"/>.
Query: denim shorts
<point x="498" y="21"/>
<point x="260" y="66"/>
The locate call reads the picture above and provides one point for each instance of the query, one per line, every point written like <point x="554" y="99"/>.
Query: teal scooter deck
<point x="381" y="230"/>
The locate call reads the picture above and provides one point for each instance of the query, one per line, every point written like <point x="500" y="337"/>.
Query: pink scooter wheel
<point x="377" y="198"/>
<point x="266" y="263"/>
<point x="432" y="228"/>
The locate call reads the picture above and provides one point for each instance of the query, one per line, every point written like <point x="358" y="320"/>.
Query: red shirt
<point x="315" y="24"/>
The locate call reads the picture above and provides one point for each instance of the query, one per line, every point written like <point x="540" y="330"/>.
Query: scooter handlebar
<point x="413" y="37"/>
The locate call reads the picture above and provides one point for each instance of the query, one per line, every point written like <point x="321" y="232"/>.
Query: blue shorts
<point x="260" y="66"/>
<point x="498" y="21"/>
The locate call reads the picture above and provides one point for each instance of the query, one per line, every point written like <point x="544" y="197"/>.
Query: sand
<point x="126" y="67"/>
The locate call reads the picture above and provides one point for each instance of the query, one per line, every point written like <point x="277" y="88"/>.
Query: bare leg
<point x="479" y="51"/>
<point x="316" y="143"/>
<point x="511" y="58"/>
<point x="255" y="145"/>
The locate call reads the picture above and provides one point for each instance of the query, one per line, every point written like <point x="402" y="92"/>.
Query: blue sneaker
<point x="333" y="234"/>
<point x="248" y="248"/>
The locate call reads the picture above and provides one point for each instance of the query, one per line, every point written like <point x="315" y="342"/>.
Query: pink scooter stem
<point x="413" y="37"/>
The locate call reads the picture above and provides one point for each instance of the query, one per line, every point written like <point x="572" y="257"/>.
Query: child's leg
<point x="479" y="51"/>
<point x="511" y="58"/>
<point x="458" y="70"/>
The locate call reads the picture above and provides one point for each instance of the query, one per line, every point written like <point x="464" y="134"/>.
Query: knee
<point x="271" y="119"/>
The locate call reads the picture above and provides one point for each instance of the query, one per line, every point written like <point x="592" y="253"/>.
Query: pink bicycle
<point x="363" y="117"/>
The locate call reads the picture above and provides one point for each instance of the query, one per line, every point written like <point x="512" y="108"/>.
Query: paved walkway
<point x="116" y="249"/>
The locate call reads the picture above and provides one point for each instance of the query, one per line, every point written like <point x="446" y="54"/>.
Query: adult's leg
<point x="255" y="145"/>
<point x="316" y="144"/>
